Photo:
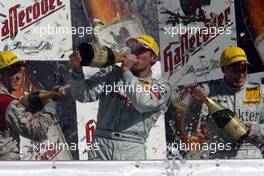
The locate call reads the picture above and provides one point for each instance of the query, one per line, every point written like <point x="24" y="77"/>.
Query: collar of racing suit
<point x="147" y="78"/>
<point x="3" y="89"/>
<point x="231" y="88"/>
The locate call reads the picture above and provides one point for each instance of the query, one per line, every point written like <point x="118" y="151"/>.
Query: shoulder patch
<point x="158" y="90"/>
<point x="252" y="95"/>
<point x="146" y="84"/>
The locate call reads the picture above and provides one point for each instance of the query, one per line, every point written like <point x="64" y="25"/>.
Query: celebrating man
<point x="126" y="115"/>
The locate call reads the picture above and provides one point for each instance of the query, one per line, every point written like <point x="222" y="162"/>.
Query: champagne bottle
<point x="35" y="101"/>
<point x="96" y="55"/>
<point x="227" y="120"/>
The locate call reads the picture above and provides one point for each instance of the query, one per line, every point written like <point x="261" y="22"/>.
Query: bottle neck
<point x="213" y="106"/>
<point x="118" y="57"/>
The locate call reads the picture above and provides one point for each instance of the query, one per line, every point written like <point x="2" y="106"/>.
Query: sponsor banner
<point x="193" y="57"/>
<point x="39" y="31"/>
<point x="192" y="36"/>
<point x="86" y="120"/>
<point x="36" y="30"/>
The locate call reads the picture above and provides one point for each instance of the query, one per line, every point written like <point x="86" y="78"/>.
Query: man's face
<point x="12" y="78"/>
<point x="145" y="60"/>
<point x="236" y="74"/>
<point x="145" y="56"/>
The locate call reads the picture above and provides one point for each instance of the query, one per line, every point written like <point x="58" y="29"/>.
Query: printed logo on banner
<point x="31" y="47"/>
<point x="194" y="33"/>
<point x="36" y="30"/>
<point x="90" y="131"/>
<point x="193" y="43"/>
<point x="20" y="17"/>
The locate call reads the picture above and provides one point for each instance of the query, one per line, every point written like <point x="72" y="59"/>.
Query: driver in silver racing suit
<point x="244" y="98"/>
<point x="125" y="116"/>
<point x="15" y="118"/>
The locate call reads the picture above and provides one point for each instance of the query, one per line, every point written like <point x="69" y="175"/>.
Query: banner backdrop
<point x="45" y="32"/>
<point x="40" y="31"/>
<point x="192" y="36"/>
<point x="36" y="30"/>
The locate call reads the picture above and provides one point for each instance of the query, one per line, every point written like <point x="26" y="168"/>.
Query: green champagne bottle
<point x="36" y="100"/>
<point x="96" y="55"/>
<point x="227" y="121"/>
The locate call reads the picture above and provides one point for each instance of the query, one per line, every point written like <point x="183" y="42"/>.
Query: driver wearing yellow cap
<point x="15" y="119"/>
<point x="240" y="96"/>
<point x="127" y="112"/>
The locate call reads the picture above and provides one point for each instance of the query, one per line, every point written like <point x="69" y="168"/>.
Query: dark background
<point x="246" y="42"/>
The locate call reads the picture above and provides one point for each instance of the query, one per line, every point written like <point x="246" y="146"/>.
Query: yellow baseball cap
<point x="231" y="55"/>
<point x="7" y="58"/>
<point x="148" y="42"/>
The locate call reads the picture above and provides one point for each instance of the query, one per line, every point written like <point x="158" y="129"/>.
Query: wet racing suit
<point x="15" y="120"/>
<point x="248" y="104"/>
<point x="125" y="116"/>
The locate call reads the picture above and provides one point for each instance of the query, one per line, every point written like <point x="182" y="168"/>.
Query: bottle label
<point x="235" y="128"/>
<point x="100" y="56"/>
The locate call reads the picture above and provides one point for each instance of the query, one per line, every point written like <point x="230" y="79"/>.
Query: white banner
<point x="192" y="36"/>
<point x="36" y="30"/>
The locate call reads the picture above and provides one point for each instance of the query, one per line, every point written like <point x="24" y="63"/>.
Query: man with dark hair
<point x="126" y="115"/>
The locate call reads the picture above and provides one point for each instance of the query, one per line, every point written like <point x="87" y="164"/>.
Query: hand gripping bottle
<point x="227" y="120"/>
